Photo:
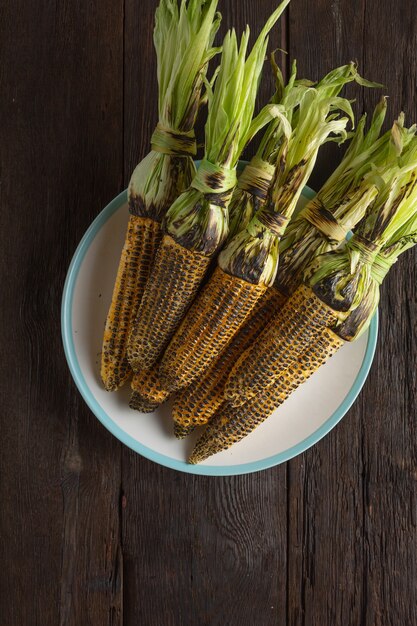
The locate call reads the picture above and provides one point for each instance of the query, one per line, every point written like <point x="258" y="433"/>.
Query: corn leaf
<point x="232" y="102"/>
<point x="183" y="38"/>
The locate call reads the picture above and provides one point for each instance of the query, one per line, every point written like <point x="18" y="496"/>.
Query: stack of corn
<point x="226" y="296"/>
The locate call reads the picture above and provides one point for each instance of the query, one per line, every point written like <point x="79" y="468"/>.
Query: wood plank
<point x="351" y="497"/>
<point x="325" y="488"/>
<point x="61" y="162"/>
<point x="389" y="424"/>
<point x="197" y="550"/>
<point x="201" y="550"/>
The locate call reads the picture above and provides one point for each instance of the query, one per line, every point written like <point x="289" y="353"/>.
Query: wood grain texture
<point x="61" y="160"/>
<point x="94" y="534"/>
<point x="389" y="433"/>
<point x="346" y="568"/>
<point x="325" y="486"/>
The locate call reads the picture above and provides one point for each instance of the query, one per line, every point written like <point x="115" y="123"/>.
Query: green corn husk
<point x="345" y="280"/>
<point x="183" y="39"/>
<point x="402" y="240"/>
<point x="253" y="185"/>
<point x="253" y="254"/>
<point x="342" y="201"/>
<point x="198" y="220"/>
<point x="252" y="188"/>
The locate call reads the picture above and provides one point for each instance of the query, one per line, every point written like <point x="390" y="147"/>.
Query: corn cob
<point x="197" y="223"/>
<point x="230" y="425"/>
<point x="234" y="298"/>
<point x="298" y="323"/>
<point x="166" y="171"/>
<point x="252" y="256"/>
<point x="142" y="238"/>
<point x="182" y="283"/>
<point x="341" y="293"/>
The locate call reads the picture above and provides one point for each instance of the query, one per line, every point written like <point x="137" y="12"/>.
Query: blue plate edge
<point x="182" y="466"/>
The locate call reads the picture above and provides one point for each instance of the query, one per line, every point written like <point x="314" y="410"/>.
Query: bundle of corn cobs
<point x="226" y="297"/>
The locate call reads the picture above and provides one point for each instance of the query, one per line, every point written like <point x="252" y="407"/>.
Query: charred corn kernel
<point x="173" y="283"/>
<point x="181" y="432"/>
<point x="286" y="337"/>
<point x="196" y="405"/>
<point x="142" y="239"/>
<point x="147" y="384"/>
<point x="138" y="403"/>
<point x="216" y="315"/>
<point x="230" y="425"/>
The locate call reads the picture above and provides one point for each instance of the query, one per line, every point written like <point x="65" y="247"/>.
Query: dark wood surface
<point x="93" y="534"/>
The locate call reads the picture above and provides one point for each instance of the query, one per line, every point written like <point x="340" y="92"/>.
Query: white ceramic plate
<point x="305" y="418"/>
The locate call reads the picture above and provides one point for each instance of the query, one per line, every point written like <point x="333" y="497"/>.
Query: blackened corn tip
<point x="181" y="432"/>
<point x="195" y="459"/>
<point x="110" y="385"/>
<point x="201" y="453"/>
<point x="148" y="385"/>
<point x="143" y="405"/>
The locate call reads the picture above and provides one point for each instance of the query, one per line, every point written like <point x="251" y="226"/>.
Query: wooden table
<point x="93" y="534"/>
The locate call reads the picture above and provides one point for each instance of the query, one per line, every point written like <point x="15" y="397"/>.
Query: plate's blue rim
<point x="182" y="466"/>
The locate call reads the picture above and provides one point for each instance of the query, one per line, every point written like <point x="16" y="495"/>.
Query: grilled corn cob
<point x="341" y="293"/>
<point x="248" y="265"/>
<point x="182" y="37"/>
<point x="197" y="223"/>
<point x="142" y="238"/>
<point x="253" y="185"/>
